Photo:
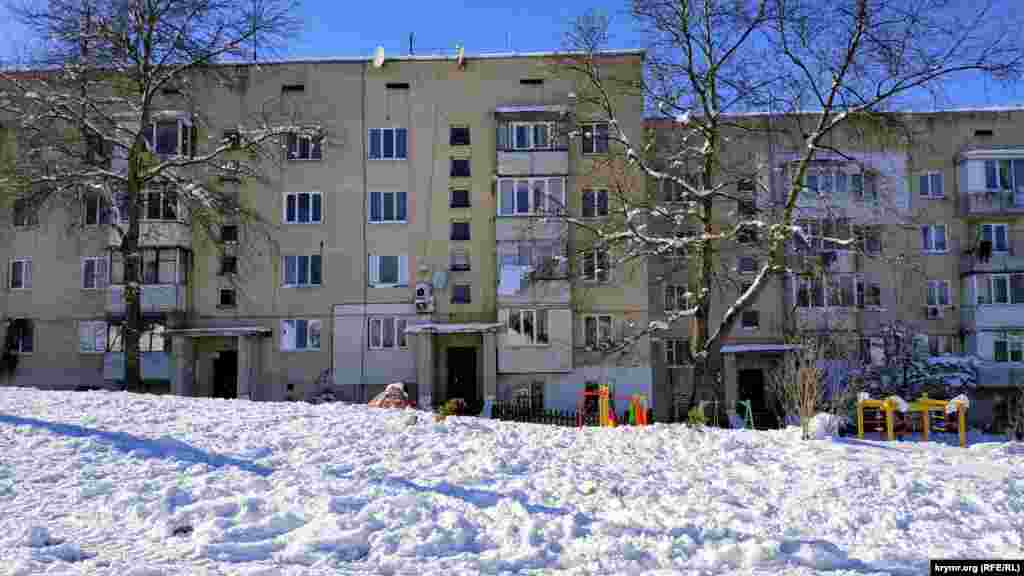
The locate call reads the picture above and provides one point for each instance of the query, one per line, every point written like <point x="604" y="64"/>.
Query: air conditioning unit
<point x="425" y="306"/>
<point x="424" y="298"/>
<point x="934" y="312"/>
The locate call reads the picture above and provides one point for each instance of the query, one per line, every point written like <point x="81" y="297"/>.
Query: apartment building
<point x="417" y="241"/>
<point x="934" y="207"/>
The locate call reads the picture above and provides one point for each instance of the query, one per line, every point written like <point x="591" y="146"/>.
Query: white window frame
<point x="374" y="271"/>
<point x="288" y="327"/>
<point x="595" y="203"/>
<point x="531" y="136"/>
<point x="595" y="253"/>
<point x="297" y="195"/>
<point x="103" y="280"/>
<point x="531" y="207"/>
<point x="926" y="183"/>
<point x="832" y="282"/>
<point x="92" y="337"/>
<point x="1013" y="341"/>
<point x="26" y="279"/>
<point x="929" y="246"/>
<point x="299" y="137"/>
<point x="144" y="206"/>
<point x="588" y="132"/>
<point x="309" y="271"/>
<point x="184" y="125"/>
<point x="394" y="207"/>
<point x="988" y="298"/>
<point x="673" y="358"/>
<point x="598" y="327"/>
<point x="679" y="297"/>
<point x="392" y="133"/>
<point x="375" y="326"/>
<point x="993" y="227"/>
<point x="518" y="337"/>
<point x="936" y="289"/>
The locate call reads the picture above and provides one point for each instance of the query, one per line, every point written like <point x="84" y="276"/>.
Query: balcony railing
<point x="156" y="298"/>
<point x="159" y="233"/>
<point x="992" y="202"/>
<point x="533" y="162"/>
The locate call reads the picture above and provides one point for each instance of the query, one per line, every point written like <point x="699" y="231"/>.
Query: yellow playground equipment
<point x="636" y="414"/>
<point x="884" y="418"/>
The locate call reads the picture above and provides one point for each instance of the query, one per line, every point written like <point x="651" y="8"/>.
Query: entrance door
<point x="751" y="387"/>
<point x="225" y="375"/>
<point x="462" y="377"/>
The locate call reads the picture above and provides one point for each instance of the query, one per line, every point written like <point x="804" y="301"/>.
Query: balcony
<point x="992" y="202"/>
<point x="996" y="262"/>
<point x="158" y="233"/>
<point x="549" y="162"/>
<point x="156" y="299"/>
<point x="526" y="285"/>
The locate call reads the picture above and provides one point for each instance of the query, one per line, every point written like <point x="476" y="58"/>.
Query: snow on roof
<point x="540" y="108"/>
<point x="441" y="328"/>
<point x="735" y="348"/>
<point x="438" y="56"/>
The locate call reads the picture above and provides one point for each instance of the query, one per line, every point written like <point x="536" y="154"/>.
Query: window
<point x="228" y="265"/>
<point x="160" y="205"/>
<point x="297" y="335"/>
<point x="458" y="136"/>
<point x="388" y="144"/>
<point x="459" y="199"/>
<point x="461" y="294"/>
<point x="229" y="234"/>
<point x="1000" y="289"/>
<point x="386" y="333"/>
<point x="746" y="209"/>
<point x="675" y="352"/>
<point x="746" y="264"/>
<point x="233" y="138"/>
<point x="460" y="168"/>
<point x="302" y="270"/>
<point x="459" y="259"/>
<point x="939" y="344"/>
<point x="1004" y="174"/>
<point x="930" y="185"/>
<point x="596" y="265"/>
<point x="92" y="337"/>
<point x="22" y="335"/>
<point x="869" y="295"/>
<point x="933" y="238"/>
<point x="938" y="293"/>
<point x="597" y="331"/>
<point x="460" y="231"/>
<point x="388" y="271"/>
<point x="388" y="207"/>
<point x="750" y="320"/>
<point x="839" y="184"/>
<point x="24" y="213"/>
<point x="171" y="137"/>
<point x="303" y="208"/>
<point x="95" y="210"/>
<point x="677" y="298"/>
<point x="528" y="196"/>
<point x="304" y="146"/>
<point x="1009" y="348"/>
<point x="996" y="236"/>
<point x="837" y="291"/>
<point x="595" y="138"/>
<point x="527" y="327"/>
<point x="871" y="239"/>
<point x="226" y="298"/>
<point x="595" y="202"/>
<point x="159" y="266"/>
<point x="94" y="273"/>
<point x="21" y="274"/>
<point x="151" y="340"/>
<point x="526" y="136"/>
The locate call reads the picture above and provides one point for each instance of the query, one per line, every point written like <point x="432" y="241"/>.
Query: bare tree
<point x="803" y="72"/>
<point x="88" y="113"/>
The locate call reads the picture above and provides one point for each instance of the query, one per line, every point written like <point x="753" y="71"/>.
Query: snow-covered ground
<point x="123" y="484"/>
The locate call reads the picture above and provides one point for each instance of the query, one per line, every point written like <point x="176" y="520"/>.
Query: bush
<point x="695" y="417"/>
<point x="453" y="407"/>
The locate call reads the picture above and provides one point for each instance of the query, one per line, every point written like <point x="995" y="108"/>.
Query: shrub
<point x="695" y="417"/>
<point x="453" y="407"/>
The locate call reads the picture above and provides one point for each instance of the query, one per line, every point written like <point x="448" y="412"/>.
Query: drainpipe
<point x="365" y="257"/>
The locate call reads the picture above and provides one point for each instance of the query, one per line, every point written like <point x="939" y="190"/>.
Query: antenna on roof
<point x="378" y="57"/>
<point x="410" y="43"/>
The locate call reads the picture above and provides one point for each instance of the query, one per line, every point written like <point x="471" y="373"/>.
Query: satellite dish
<point x="378" y="57"/>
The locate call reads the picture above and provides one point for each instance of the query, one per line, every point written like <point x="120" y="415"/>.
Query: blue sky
<point x="355" y="28"/>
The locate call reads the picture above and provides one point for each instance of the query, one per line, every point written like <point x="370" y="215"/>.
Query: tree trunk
<point x="131" y="332"/>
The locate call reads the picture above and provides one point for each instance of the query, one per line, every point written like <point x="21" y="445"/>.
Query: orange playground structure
<point x="884" y="416"/>
<point x="635" y="415"/>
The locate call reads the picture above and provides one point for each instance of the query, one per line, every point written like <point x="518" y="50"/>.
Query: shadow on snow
<point x="164" y="447"/>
